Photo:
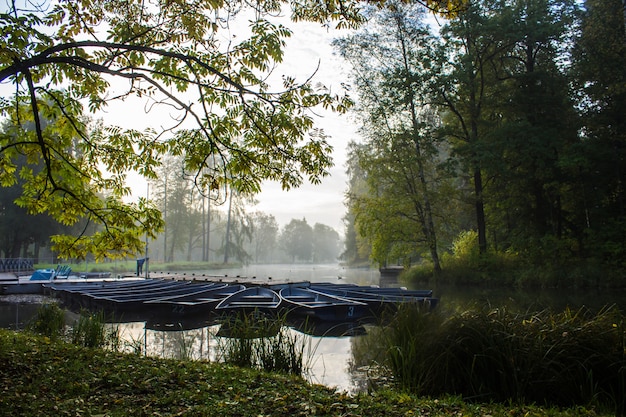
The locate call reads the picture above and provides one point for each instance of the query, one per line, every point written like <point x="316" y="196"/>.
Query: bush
<point x="567" y="358"/>
<point x="49" y="321"/>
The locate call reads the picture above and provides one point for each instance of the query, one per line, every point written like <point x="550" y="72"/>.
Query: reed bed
<point x="573" y="357"/>
<point x="263" y="343"/>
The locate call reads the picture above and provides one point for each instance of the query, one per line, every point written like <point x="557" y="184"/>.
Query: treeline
<point x="198" y="228"/>
<point x="217" y="226"/>
<point x="220" y="227"/>
<point x="496" y="144"/>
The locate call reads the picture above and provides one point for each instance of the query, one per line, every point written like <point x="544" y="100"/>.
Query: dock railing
<point x="16" y="265"/>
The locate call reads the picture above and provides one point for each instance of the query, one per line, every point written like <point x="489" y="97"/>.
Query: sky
<point x="322" y="203"/>
<point x="309" y="46"/>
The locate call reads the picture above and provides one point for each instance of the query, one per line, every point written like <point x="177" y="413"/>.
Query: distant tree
<point x="296" y="239"/>
<point x="393" y="64"/>
<point x="357" y="247"/>
<point x="265" y="236"/>
<point x="239" y="229"/>
<point x="325" y="243"/>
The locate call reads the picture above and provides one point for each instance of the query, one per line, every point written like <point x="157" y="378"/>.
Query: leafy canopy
<point x="205" y="94"/>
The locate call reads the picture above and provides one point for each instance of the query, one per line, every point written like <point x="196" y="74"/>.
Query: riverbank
<point x="39" y="376"/>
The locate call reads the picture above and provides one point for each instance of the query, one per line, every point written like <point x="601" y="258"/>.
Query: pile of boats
<point x="151" y="298"/>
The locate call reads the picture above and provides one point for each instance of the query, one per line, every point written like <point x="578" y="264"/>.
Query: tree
<point x="534" y="126"/>
<point x="357" y="246"/>
<point x="391" y="61"/>
<point x="599" y="62"/>
<point x="462" y="90"/>
<point x="64" y="56"/>
<point x="296" y="239"/>
<point x="68" y="56"/>
<point x="264" y="236"/>
<point x="325" y="243"/>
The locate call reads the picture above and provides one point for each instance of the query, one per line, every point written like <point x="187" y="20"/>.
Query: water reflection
<point x="336" y="355"/>
<point x="327" y="358"/>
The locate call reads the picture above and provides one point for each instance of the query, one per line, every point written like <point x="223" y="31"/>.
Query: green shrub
<point x="492" y="354"/>
<point x="90" y="331"/>
<point x="49" y="321"/>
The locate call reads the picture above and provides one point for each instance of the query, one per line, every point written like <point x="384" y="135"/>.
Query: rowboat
<point x="372" y="289"/>
<point x="196" y="302"/>
<point x="134" y="300"/>
<point x="381" y="302"/>
<point x="321" y="306"/>
<point x="252" y="299"/>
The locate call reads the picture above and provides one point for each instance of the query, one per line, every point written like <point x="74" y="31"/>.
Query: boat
<point x="78" y="296"/>
<point x="133" y="300"/>
<point x="382" y="300"/>
<point x="373" y="289"/>
<point x="194" y="303"/>
<point x="252" y="299"/>
<point x="321" y="306"/>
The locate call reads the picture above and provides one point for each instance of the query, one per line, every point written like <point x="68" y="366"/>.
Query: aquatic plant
<point x="253" y="341"/>
<point x="90" y="330"/>
<point x="49" y="321"/>
<point x="493" y="354"/>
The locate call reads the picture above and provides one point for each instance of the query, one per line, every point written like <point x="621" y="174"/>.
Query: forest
<point x="494" y="143"/>
<point x="491" y="142"/>
<point x="196" y="229"/>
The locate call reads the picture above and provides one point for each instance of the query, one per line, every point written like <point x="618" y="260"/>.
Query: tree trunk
<point x="227" y="243"/>
<point x="481" y="224"/>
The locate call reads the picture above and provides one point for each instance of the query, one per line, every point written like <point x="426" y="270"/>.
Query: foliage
<point x="90" y="330"/>
<point x="49" y="321"/>
<point x="99" y="382"/>
<point x="530" y="99"/>
<point x="262" y="343"/>
<point x="67" y="58"/>
<point x="264" y="236"/>
<point x="492" y="354"/>
<point x="296" y="240"/>
<point x="398" y="158"/>
<point x="325" y="243"/>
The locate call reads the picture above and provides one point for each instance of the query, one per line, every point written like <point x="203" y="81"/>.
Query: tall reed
<point x="49" y="321"/>
<point x="90" y="330"/>
<point x="262" y="343"/>
<point x="492" y="354"/>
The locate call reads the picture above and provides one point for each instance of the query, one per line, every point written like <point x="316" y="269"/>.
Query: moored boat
<point x="196" y="302"/>
<point x="321" y="306"/>
<point x="383" y="300"/>
<point x="252" y="299"/>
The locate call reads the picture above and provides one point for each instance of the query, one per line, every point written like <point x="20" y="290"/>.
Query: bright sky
<point x="322" y="203"/>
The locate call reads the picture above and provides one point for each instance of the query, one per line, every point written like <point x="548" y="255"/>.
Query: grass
<point x="262" y="343"/>
<point x="569" y="358"/>
<point x="42" y="376"/>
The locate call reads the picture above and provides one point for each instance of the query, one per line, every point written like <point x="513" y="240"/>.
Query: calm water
<point x="331" y="359"/>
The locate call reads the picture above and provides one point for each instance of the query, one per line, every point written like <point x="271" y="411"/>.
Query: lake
<point x="331" y="360"/>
